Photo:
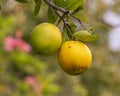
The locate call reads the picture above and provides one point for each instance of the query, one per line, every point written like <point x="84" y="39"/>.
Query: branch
<point x="62" y="13"/>
<point x="66" y="12"/>
<point x="51" y="4"/>
<point x="66" y="23"/>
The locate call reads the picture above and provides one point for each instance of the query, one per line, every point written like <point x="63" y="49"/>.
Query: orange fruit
<point x="74" y="57"/>
<point x="46" y="39"/>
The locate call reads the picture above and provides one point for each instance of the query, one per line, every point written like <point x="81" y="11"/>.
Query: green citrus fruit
<point x="74" y="57"/>
<point x="46" y="39"/>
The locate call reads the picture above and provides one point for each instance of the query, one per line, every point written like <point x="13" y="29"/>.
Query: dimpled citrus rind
<point x="74" y="57"/>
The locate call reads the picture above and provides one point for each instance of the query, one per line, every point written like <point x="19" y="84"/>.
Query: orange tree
<point x="65" y="14"/>
<point x="69" y="18"/>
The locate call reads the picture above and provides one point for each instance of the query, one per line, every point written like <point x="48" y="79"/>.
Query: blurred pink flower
<point x="10" y="43"/>
<point x="31" y="81"/>
<point x="22" y="45"/>
<point x="34" y="84"/>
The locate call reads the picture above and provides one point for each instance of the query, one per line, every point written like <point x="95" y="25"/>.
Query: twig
<point x="78" y="21"/>
<point x="62" y="13"/>
<point x="66" y="24"/>
<point x="60" y="19"/>
<point x="50" y="3"/>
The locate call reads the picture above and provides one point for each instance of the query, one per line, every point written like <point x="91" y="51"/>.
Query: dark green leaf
<point x="70" y="4"/>
<point x="52" y="17"/>
<point x="22" y="1"/>
<point x="37" y="7"/>
<point x="60" y="3"/>
<point x="73" y="25"/>
<point x="77" y="10"/>
<point x="74" y="4"/>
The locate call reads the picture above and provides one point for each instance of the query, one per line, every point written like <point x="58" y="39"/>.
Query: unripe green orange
<point x="46" y="39"/>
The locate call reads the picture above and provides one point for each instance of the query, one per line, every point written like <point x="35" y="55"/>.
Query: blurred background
<point x="23" y="72"/>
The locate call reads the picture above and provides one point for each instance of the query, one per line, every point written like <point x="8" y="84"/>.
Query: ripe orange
<point x="74" y="57"/>
<point x="46" y="39"/>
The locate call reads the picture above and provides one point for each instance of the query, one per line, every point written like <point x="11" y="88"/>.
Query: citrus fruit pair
<point x="74" y="56"/>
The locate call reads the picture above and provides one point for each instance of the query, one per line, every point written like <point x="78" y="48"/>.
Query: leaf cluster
<point x="69" y="12"/>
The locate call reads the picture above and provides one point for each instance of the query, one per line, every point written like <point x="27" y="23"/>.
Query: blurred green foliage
<point x="29" y="74"/>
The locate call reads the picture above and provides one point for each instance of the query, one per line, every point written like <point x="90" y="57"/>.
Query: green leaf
<point x="77" y="10"/>
<point x="52" y="17"/>
<point x="22" y="1"/>
<point x="82" y="33"/>
<point x="91" y="28"/>
<point x="60" y="3"/>
<point x="72" y="25"/>
<point x="74" y="4"/>
<point x="85" y="37"/>
<point x="37" y="7"/>
<point x="71" y="5"/>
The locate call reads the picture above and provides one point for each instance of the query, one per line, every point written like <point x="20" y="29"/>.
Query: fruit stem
<point x="66" y="24"/>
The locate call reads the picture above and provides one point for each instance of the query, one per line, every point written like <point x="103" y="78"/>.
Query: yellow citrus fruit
<point x="74" y="57"/>
<point x="46" y="39"/>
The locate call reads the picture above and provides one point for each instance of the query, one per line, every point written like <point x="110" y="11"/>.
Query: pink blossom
<point x="11" y="43"/>
<point x="22" y="45"/>
<point x="34" y="84"/>
<point x="31" y="81"/>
